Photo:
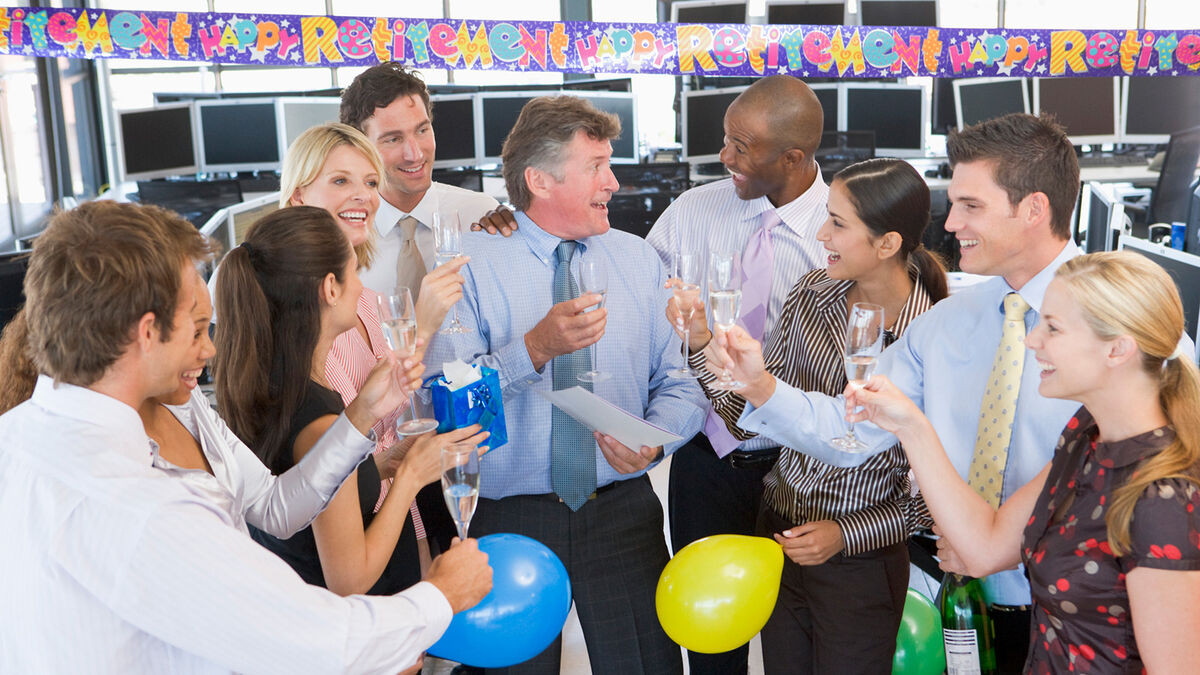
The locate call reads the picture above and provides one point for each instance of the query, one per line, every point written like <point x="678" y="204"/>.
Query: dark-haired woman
<point x="285" y="295"/>
<point x="844" y="531"/>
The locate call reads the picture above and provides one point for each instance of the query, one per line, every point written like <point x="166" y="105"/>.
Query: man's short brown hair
<point x="93" y="274"/>
<point x="1028" y="154"/>
<point x="377" y="87"/>
<point x="546" y="126"/>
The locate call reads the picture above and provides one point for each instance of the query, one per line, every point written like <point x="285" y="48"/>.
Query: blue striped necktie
<point x="572" y="446"/>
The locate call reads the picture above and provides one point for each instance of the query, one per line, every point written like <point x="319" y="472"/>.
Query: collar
<point x="796" y="214"/>
<point x="387" y="216"/>
<point x="1127" y="451"/>
<point x="1034" y="291"/>
<point x="543" y="244"/>
<point x="94" y="408"/>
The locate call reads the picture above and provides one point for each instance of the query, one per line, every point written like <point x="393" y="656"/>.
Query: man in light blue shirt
<point x="1015" y="182"/>
<point x="525" y="324"/>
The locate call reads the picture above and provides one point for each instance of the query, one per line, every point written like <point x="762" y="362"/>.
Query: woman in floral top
<point x="1109" y="531"/>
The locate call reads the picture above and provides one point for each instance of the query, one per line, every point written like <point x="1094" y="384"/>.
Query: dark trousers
<point x="1012" y="628"/>
<point x="708" y="496"/>
<point x="841" y="616"/>
<point x="614" y="552"/>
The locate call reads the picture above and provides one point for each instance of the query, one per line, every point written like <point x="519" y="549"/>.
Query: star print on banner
<point x="285" y="23"/>
<point x="1006" y="69"/>
<point x="1153" y="70"/>
<point x="259" y="55"/>
<point x="1041" y="68"/>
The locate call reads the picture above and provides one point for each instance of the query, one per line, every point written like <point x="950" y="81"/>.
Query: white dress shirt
<point x="111" y="566"/>
<point x="444" y="199"/>
<point x="712" y="217"/>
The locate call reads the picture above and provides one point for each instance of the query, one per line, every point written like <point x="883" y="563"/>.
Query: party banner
<point x="588" y="47"/>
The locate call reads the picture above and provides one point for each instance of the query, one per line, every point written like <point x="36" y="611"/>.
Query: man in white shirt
<point x="111" y="566"/>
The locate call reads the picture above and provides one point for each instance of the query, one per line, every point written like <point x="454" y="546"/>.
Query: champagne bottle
<point x="966" y="629"/>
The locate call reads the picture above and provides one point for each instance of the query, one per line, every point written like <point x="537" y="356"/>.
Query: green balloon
<point x="919" y="643"/>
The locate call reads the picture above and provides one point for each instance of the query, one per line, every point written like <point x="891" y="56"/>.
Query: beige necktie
<point x="1000" y="404"/>
<point x="410" y="266"/>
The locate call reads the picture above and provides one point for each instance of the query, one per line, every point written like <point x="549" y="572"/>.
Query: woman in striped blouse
<point x="844" y="531"/>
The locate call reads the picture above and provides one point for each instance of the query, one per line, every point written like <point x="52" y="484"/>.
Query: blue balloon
<point x="523" y="613"/>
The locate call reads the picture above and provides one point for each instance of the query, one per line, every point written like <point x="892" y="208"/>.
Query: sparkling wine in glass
<point x="686" y="271"/>
<point x="399" y="318"/>
<point x="864" y="343"/>
<point x="593" y="278"/>
<point x="725" y="303"/>
<point x="460" y="483"/>
<point x="447" y="245"/>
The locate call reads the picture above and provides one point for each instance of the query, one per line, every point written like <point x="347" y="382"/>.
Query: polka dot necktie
<point x="999" y="405"/>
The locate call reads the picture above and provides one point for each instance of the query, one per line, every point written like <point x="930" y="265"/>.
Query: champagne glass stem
<point x="687" y="342"/>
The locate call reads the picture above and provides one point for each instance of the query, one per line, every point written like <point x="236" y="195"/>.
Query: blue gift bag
<point x="477" y="403"/>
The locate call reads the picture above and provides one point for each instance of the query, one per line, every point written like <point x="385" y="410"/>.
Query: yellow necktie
<point x="1000" y="404"/>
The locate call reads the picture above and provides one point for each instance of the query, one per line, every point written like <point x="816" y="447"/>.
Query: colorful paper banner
<point x="587" y="47"/>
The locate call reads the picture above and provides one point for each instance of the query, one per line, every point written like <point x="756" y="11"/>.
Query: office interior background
<point x="61" y="119"/>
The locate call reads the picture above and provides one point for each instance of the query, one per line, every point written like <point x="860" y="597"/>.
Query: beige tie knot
<point x="410" y="266"/>
<point x="408" y="229"/>
<point x="1015" y="307"/>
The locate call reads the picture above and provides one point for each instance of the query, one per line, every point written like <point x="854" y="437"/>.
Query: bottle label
<point x="962" y="652"/>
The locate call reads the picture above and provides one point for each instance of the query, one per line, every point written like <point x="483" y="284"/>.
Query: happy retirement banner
<point x="587" y="47"/>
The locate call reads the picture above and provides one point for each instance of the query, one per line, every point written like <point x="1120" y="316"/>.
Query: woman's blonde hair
<point x="1123" y="293"/>
<point x="307" y="154"/>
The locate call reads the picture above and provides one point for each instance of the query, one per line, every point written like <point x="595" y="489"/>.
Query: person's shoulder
<point x="628" y="244"/>
<point x="717" y="188"/>
<point x="465" y="197"/>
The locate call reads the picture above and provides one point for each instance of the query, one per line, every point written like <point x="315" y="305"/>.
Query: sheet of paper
<point x="597" y="414"/>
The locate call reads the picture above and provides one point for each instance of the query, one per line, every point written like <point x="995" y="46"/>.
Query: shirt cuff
<point x="438" y="612"/>
<point x="517" y="371"/>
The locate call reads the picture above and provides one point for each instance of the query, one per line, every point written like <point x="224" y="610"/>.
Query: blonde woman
<point x="1109" y="531"/>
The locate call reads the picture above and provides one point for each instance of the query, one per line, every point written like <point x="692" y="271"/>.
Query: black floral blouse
<point x="1081" y="621"/>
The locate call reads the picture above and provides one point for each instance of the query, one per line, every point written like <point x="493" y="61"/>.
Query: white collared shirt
<point x="111" y="566"/>
<point x="445" y="199"/>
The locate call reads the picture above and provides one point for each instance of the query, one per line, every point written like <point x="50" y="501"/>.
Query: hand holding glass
<point x="686" y="272"/>
<point x="864" y="343"/>
<point x="460" y="483"/>
<point x="399" y="319"/>
<point x="725" y="303"/>
<point x="593" y="278"/>
<point x="447" y="241"/>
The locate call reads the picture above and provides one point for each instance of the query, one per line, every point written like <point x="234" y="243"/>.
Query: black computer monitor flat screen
<point x="238" y="135"/>
<point x="1192" y="241"/>
<point x="708" y="11"/>
<point x="977" y="100"/>
<point x="1169" y="203"/>
<point x="828" y="95"/>
<point x="158" y="142"/>
<point x="454" y="130"/>
<point x="1087" y="107"/>
<point x="704" y="122"/>
<point x="500" y="113"/>
<point x="896" y="113"/>
<point x="12" y="284"/>
<point x="899" y="12"/>
<point x="1100" y="208"/>
<point x="1184" y="268"/>
<point x="1156" y="107"/>
<point x="941" y="111"/>
<point x="625" y="146"/>
<point x="816" y="13"/>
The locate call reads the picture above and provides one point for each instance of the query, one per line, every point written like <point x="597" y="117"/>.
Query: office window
<point x="1171" y="14"/>
<point x="969" y="13"/>
<point x="274" y="79"/>
<point x="28" y="181"/>
<point x="1069" y="14"/>
<point x="540" y="10"/>
<point x="417" y="9"/>
<point x="136" y="90"/>
<point x="306" y="7"/>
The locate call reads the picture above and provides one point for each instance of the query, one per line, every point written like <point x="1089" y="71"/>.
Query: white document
<point x="597" y="414"/>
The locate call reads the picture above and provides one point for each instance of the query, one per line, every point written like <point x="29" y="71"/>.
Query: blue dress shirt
<point x="942" y="363"/>
<point x="508" y="290"/>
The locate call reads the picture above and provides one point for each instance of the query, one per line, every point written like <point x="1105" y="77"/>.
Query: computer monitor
<point x="454" y="129"/>
<point x="626" y="149"/>
<point x="1192" y="240"/>
<point x="195" y="200"/>
<point x="1087" y="107"/>
<point x="1169" y="202"/>
<point x="499" y="112"/>
<point x="238" y="135"/>
<point x="467" y="179"/>
<point x="899" y="12"/>
<point x="703" y="128"/>
<point x="942" y="116"/>
<point x="1184" y="268"/>
<point x="807" y="12"/>
<point x="897" y="113"/>
<point x="605" y="84"/>
<point x="830" y="97"/>
<point x="1102" y="217"/>
<point x="708" y="11"/>
<point x="157" y="142"/>
<point x="297" y="114"/>
<point x="980" y="99"/>
<point x="230" y="227"/>
<point x="12" y="284"/>
<point x="1153" y="108"/>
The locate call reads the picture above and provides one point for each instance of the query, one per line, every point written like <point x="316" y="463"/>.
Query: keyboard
<point x="1130" y="159"/>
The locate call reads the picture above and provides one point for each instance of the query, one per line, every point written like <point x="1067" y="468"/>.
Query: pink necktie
<point x="758" y="266"/>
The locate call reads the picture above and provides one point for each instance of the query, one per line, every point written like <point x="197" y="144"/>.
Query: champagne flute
<point x="725" y="302"/>
<point x="686" y="271"/>
<point x="864" y="342"/>
<point x="593" y="278"/>
<point x="399" y="318"/>
<point x="460" y="483"/>
<point x="447" y="240"/>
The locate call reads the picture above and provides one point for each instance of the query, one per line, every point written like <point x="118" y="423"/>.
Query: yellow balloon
<point x="718" y="592"/>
